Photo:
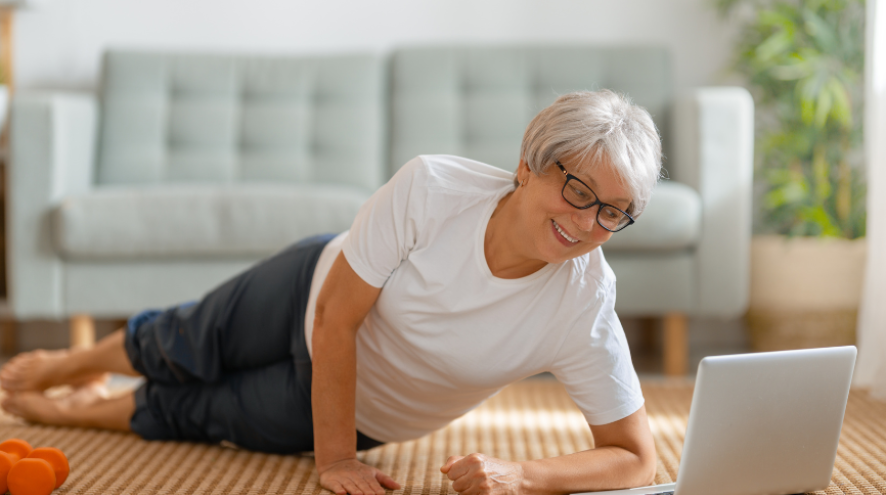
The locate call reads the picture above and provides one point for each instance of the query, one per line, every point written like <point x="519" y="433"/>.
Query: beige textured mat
<point x="531" y="419"/>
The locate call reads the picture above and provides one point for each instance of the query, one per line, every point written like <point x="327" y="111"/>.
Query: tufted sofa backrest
<point x="477" y="102"/>
<point x="225" y="119"/>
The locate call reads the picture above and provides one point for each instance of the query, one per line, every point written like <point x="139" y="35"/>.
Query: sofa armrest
<point x="52" y="146"/>
<point x="714" y="153"/>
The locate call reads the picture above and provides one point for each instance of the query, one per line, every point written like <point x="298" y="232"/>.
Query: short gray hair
<point x="593" y="124"/>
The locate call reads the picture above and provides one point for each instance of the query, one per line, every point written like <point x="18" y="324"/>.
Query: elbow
<point x="649" y="473"/>
<point x="641" y="469"/>
<point x="647" y="457"/>
<point x="641" y="473"/>
<point x="648" y="466"/>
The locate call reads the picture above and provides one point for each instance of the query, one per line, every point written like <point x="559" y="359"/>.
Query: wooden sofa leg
<point x="82" y="331"/>
<point x="648" y="332"/>
<point x="676" y="344"/>
<point x="8" y="337"/>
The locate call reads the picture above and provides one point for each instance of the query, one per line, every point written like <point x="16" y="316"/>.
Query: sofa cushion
<point x="177" y="221"/>
<point x="476" y="101"/>
<point x="671" y="221"/>
<point x="186" y="118"/>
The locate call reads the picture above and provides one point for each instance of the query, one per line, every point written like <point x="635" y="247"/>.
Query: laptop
<point x="762" y="424"/>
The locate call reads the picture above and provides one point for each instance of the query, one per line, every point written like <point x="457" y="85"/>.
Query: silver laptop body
<point x="763" y="424"/>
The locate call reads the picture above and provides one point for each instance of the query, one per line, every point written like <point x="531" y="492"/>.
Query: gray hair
<point x="595" y="125"/>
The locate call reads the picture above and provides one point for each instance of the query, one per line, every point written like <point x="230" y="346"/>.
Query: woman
<point x="455" y="279"/>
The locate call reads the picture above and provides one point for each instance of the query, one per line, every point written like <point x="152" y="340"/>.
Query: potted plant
<point x="804" y="63"/>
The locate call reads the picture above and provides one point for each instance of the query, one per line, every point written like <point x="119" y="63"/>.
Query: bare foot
<point x="85" y="395"/>
<point x="85" y="407"/>
<point x="40" y="369"/>
<point x="36" y="408"/>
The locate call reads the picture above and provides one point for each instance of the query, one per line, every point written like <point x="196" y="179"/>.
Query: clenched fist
<point x="478" y="474"/>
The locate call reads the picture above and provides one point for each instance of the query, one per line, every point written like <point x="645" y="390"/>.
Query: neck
<point x="505" y="243"/>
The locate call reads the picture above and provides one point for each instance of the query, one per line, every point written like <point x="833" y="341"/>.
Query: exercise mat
<point x="528" y="420"/>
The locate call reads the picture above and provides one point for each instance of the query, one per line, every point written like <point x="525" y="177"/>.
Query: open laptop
<point x="763" y="424"/>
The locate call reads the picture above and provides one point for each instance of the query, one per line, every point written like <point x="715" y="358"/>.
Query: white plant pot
<point x="805" y="291"/>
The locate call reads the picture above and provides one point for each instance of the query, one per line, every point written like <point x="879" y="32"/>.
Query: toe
<point x="10" y="377"/>
<point x="10" y="366"/>
<point x="7" y="383"/>
<point x="9" y="405"/>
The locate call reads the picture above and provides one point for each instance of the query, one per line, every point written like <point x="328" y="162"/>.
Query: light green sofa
<point x="185" y="169"/>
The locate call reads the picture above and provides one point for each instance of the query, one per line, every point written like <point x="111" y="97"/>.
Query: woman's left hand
<point x="478" y="474"/>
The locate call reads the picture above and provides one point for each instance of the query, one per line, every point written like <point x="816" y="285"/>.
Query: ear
<point x="523" y="171"/>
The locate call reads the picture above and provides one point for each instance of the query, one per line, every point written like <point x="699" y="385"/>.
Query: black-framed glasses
<point x="581" y="196"/>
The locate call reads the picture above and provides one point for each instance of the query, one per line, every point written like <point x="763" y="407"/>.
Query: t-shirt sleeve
<point x="384" y="231"/>
<point x="594" y="364"/>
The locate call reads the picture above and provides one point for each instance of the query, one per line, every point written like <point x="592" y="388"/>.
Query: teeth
<point x="564" y="233"/>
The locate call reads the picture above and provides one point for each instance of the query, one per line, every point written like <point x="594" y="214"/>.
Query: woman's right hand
<point x="352" y="477"/>
<point x="343" y="303"/>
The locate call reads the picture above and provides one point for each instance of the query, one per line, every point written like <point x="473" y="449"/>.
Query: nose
<point x="586" y="219"/>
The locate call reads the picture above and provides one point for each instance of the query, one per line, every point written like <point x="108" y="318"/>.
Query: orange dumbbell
<point x="31" y="476"/>
<point x="11" y="451"/>
<point x="16" y="447"/>
<point x="6" y="462"/>
<point x="56" y="458"/>
<point x="28" y="471"/>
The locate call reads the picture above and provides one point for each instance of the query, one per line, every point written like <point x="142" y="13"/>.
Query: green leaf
<point x="785" y="18"/>
<point x="820" y="31"/>
<point x="797" y="69"/>
<point x="843" y="198"/>
<point x="842" y="110"/>
<point x="775" y="45"/>
<point x="821" y="174"/>
<point x="823" y="107"/>
<point x="806" y="91"/>
<point x="818" y="217"/>
<point x="789" y="187"/>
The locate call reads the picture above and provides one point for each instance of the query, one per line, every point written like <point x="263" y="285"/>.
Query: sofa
<point x="184" y="169"/>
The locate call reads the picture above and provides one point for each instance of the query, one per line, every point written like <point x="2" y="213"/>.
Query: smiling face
<point x="556" y="230"/>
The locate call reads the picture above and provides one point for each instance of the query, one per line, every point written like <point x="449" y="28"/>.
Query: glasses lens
<point x="578" y="195"/>
<point x="612" y="218"/>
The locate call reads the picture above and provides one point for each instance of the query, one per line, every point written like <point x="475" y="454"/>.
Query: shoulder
<point x="455" y="173"/>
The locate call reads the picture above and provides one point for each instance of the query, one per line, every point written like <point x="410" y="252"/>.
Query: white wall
<point x="59" y="42"/>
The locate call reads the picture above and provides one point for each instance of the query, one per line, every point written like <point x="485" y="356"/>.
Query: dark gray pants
<point x="233" y="366"/>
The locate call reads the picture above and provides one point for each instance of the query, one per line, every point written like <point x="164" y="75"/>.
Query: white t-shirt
<point x="445" y="334"/>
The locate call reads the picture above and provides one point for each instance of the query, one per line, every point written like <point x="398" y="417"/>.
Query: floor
<point x="527" y="420"/>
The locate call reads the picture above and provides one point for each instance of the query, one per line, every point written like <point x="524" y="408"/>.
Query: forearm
<point x="604" y="468"/>
<point x="332" y="396"/>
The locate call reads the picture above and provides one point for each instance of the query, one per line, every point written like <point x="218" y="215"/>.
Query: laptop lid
<point x="765" y="423"/>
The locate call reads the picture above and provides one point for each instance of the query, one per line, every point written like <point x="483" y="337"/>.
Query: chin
<point x="580" y="249"/>
<point x="558" y="253"/>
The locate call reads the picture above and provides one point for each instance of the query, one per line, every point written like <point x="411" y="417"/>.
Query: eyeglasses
<point x="581" y="196"/>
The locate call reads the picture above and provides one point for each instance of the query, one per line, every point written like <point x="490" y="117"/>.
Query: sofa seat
<point x="187" y="221"/>
<point x="671" y="222"/>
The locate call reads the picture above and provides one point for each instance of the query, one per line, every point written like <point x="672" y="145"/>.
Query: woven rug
<point x="528" y="420"/>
